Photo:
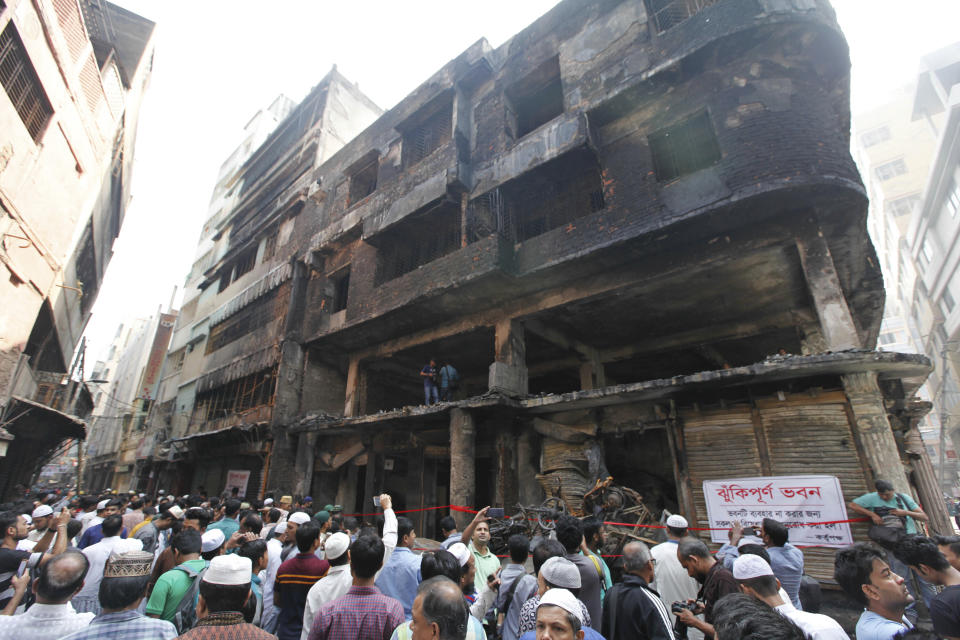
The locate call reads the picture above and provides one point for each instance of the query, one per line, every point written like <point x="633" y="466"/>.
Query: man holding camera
<point x="895" y="514"/>
<point x="716" y="581"/>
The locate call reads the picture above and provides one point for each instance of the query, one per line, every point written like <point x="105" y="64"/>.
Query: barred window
<point x="432" y="129"/>
<point x="20" y="81"/>
<point x="667" y="14"/>
<point x="685" y="147"/>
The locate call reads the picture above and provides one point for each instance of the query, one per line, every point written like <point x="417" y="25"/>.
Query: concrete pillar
<point x="286" y="405"/>
<point x="529" y="491"/>
<point x="836" y="321"/>
<point x="928" y="489"/>
<point x="592" y="375"/>
<point x="462" y="466"/>
<point x="508" y="373"/>
<point x="356" y="400"/>
<point x="873" y="429"/>
<point x="303" y="476"/>
<point x="505" y="484"/>
<point x="812" y="340"/>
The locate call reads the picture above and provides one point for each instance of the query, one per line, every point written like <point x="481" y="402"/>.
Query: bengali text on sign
<point x="809" y="505"/>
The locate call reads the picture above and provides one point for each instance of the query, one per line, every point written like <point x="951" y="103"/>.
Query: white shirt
<point x="97" y="555"/>
<point x="89" y="519"/>
<point x="274" y="547"/>
<point x="672" y="581"/>
<point x="333" y="585"/>
<point x="43" y="622"/>
<point x="815" y="626"/>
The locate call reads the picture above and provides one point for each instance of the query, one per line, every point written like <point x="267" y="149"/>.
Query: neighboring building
<point x="894" y="151"/>
<point x="73" y="77"/>
<point x="932" y="246"/>
<point x="635" y="229"/>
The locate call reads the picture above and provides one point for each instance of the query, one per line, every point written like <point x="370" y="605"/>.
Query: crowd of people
<point x="139" y="567"/>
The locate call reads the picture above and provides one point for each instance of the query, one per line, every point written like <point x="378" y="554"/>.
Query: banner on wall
<point x="810" y="505"/>
<point x="238" y="479"/>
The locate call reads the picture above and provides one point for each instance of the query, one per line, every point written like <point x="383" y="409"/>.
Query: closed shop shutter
<point x="720" y="444"/>
<point x="813" y="436"/>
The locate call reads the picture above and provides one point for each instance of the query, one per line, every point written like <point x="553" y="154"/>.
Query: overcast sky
<point x="218" y="62"/>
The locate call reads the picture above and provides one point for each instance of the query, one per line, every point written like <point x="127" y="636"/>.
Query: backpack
<point x="185" y="617"/>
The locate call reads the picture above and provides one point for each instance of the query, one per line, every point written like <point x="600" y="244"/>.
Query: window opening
<point x="23" y="87"/>
<point x="429" y="133"/>
<point x="537" y="98"/>
<point x="890" y="170"/>
<point x="903" y="205"/>
<point x="685" y="147"/>
<point x="248" y="392"/>
<point x="341" y="287"/>
<point x="875" y="136"/>
<point x="363" y="180"/>
<point x="252" y="317"/>
<point x="421" y="239"/>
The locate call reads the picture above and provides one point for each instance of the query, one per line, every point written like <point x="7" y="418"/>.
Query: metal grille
<point x="254" y="390"/>
<point x="553" y="196"/>
<point x="420" y="242"/>
<point x="90" y="81"/>
<point x="684" y="148"/>
<point x="428" y="136"/>
<point x="669" y="13"/>
<point x="248" y="319"/>
<point x="486" y="216"/>
<point x="22" y="85"/>
<point x="68" y="15"/>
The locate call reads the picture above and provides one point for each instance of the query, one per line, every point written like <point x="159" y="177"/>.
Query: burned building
<point x="634" y="228"/>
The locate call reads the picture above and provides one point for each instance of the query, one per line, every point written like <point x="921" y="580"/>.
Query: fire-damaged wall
<point x="609" y="225"/>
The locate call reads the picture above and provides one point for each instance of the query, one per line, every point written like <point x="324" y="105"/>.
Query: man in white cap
<point x="42" y="518"/>
<point x="294" y="522"/>
<point x="559" y="617"/>
<point x="224" y="590"/>
<point x="149" y="533"/>
<point x="670" y="578"/>
<point x="93" y="533"/>
<point x="87" y="599"/>
<point x="333" y="585"/>
<point x="555" y="573"/>
<point x="632" y="609"/>
<point x="481" y="602"/>
<point x="211" y="544"/>
<point x="756" y="579"/>
<point x="268" y="617"/>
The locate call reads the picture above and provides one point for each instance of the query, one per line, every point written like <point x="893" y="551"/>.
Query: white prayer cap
<point x="460" y="552"/>
<point x="749" y="566"/>
<point x="749" y="540"/>
<point x="280" y="528"/>
<point x="299" y="517"/>
<point x="141" y="495"/>
<point x="268" y="502"/>
<point x="42" y="511"/>
<point x="232" y="569"/>
<point x="26" y="516"/>
<point x="336" y="545"/>
<point x="560" y="572"/>
<point x="176" y="512"/>
<point x="560" y="598"/>
<point x="211" y="540"/>
<point x="677" y="522"/>
<point x="102" y="505"/>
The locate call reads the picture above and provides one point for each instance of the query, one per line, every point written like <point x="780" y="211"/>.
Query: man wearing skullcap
<point x="97" y="554"/>
<point x="673" y="582"/>
<point x="123" y="587"/>
<point x="554" y="571"/>
<point x="42" y="518"/>
<point x="333" y="585"/>
<point x="632" y="608"/>
<point x="756" y="579"/>
<point x="224" y="590"/>
<point x="559" y="616"/>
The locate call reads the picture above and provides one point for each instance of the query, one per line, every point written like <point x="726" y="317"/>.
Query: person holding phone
<point x="477" y="538"/>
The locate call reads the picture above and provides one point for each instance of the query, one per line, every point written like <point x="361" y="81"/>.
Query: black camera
<point x="883" y="512"/>
<point x="677" y="607"/>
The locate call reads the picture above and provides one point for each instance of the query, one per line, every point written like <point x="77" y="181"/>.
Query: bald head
<point x="61" y="578"/>
<point x="636" y="560"/>
<point x="440" y="602"/>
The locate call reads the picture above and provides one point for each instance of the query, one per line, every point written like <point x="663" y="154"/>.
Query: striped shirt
<point x="294" y="579"/>
<point x="363" y="612"/>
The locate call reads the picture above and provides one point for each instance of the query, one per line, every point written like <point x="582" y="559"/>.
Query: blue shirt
<point x="786" y="562"/>
<point x="125" y="625"/>
<point x="400" y="578"/>
<point x="872" y="626"/>
<point x="229" y="526"/>
<point x="93" y="535"/>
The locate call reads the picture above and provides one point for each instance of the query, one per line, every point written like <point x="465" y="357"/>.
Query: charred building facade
<point x="636" y="231"/>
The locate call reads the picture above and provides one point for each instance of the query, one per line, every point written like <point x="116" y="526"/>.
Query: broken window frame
<point x="257" y="389"/>
<point x="341" y="289"/>
<point x="684" y="147"/>
<point x="362" y="178"/>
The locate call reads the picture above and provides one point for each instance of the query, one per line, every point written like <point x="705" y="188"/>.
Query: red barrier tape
<point x="454" y="507"/>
